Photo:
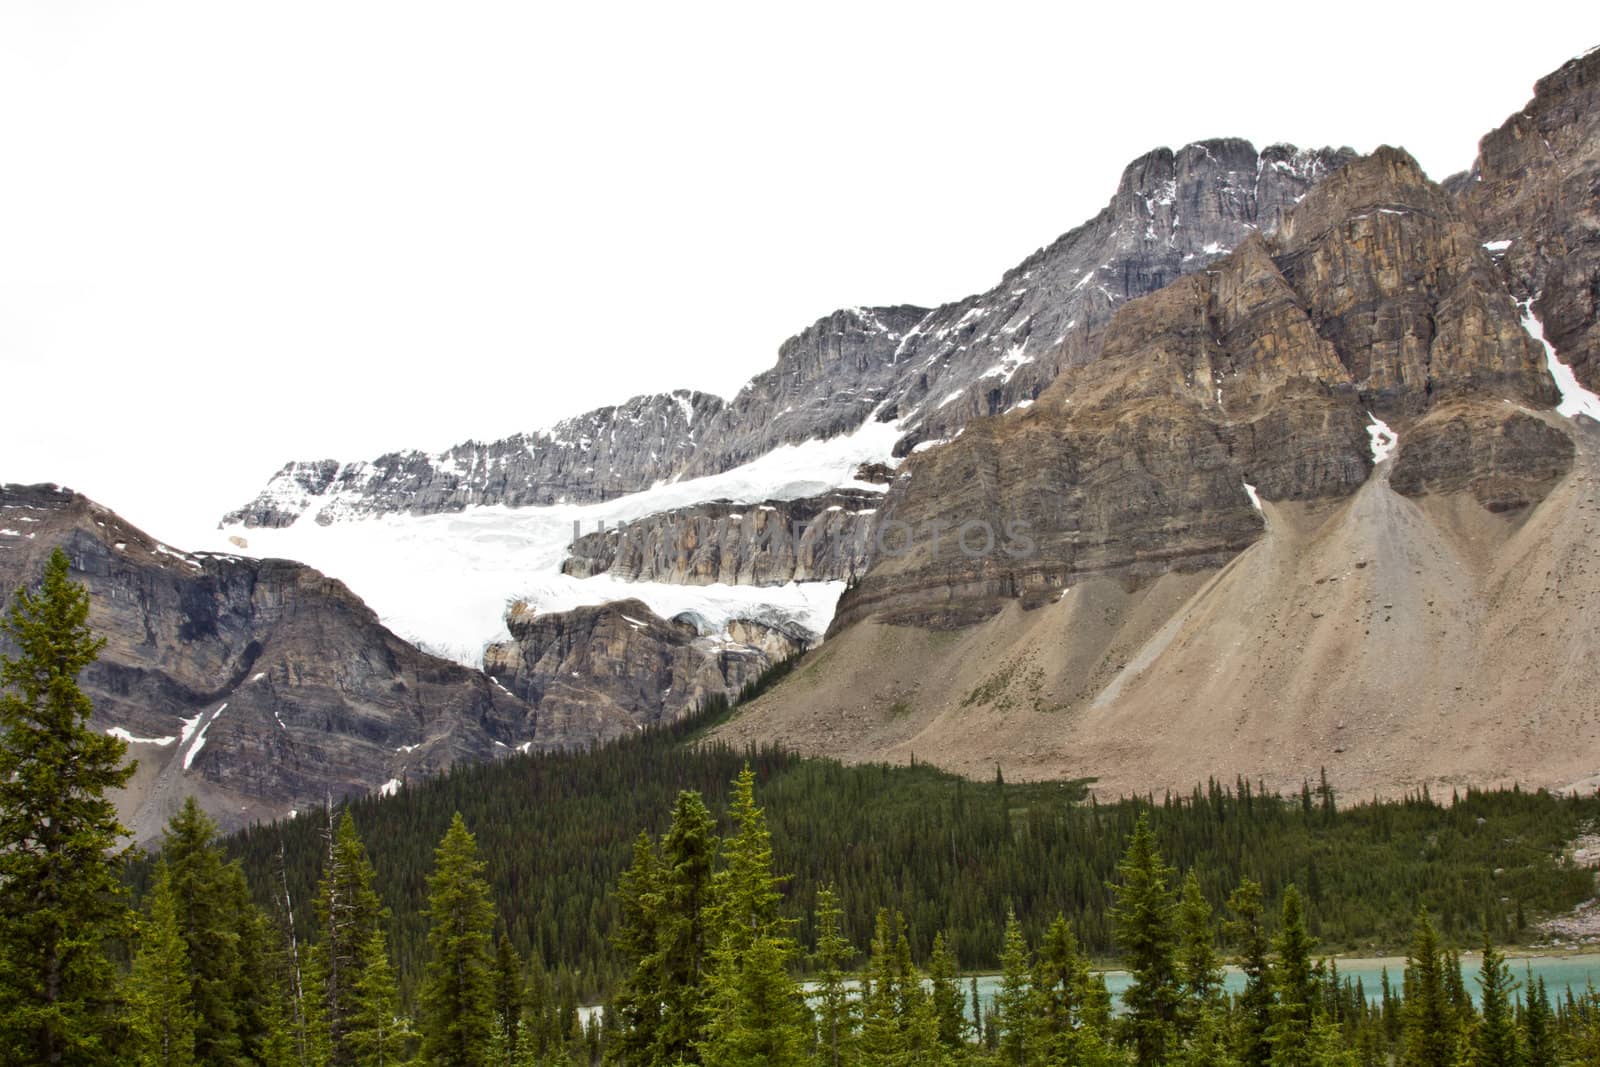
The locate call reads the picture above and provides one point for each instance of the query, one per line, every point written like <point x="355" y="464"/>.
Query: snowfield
<point x="444" y="581"/>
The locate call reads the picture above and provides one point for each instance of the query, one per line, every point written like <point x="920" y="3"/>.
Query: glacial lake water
<point x="1559" y="974"/>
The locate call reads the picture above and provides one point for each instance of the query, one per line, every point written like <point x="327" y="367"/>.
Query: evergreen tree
<point x="1494" y="1039"/>
<point x="638" y="1003"/>
<point x="1539" y="1026"/>
<point x="834" y="1022"/>
<point x="508" y="998"/>
<point x="1294" y="988"/>
<point x="1012" y="1004"/>
<point x="349" y="915"/>
<point x="884" y="1021"/>
<point x="945" y="994"/>
<point x="376" y="1034"/>
<point x="1428" y="1032"/>
<point x="457" y="1003"/>
<point x="756" y="1011"/>
<point x="162" y="1019"/>
<point x="1255" y="1002"/>
<point x="684" y="931"/>
<point x="61" y="898"/>
<point x="1143" y="925"/>
<point x="205" y="891"/>
<point x="1199" y="966"/>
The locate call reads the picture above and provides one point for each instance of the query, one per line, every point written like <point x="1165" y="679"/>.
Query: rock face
<point x="1532" y="193"/>
<point x="819" y="538"/>
<point x="1374" y="297"/>
<point x="261" y="685"/>
<point x="592" y="670"/>
<point x="930" y="370"/>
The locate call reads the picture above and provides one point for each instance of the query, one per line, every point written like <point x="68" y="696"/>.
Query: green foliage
<point x="1292" y="1011"/>
<point x="557" y="829"/>
<point x="1143" y="923"/>
<point x="62" y="897"/>
<point x="1429" y="1017"/>
<point x="162" y="1021"/>
<point x="1254" y="1009"/>
<point x="457" y="1019"/>
<point x="1494" y="1039"/>
<point x="835" y="1006"/>
<point x="350" y="924"/>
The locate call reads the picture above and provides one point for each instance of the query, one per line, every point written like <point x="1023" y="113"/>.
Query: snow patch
<point x="1575" y="399"/>
<point x="951" y="399"/>
<point x="122" y="735"/>
<point x="389" y="788"/>
<point x="199" y="735"/>
<point x="1255" y="500"/>
<point x="1497" y="246"/>
<point x="1384" y="440"/>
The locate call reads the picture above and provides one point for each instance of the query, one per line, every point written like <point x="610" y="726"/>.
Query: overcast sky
<point x="237" y="234"/>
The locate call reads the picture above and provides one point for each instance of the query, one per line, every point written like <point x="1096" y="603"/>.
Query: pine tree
<point x="375" y="1033"/>
<point x="1255" y="1002"/>
<point x="457" y="999"/>
<point x="1539" y="1026"/>
<point x="1293" y="985"/>
<point x="162" y="1019"/>
<point x="834" y="1022"/>
<point x="684" y="931"/>
<point x="756" y="1012"/>
<point x="508" y="997"/>
<point x="1428" y="1033"/>
<point x="349" y="915"/>
<point x="946" y="996"/>
<point x="204" y="891"/>
<point x="1012" y="1004"/>
<point x="884" y="1024"/>
<point x="61" y="898"/>
<point x="1198" y="963"/>
<point x="638" y="1003"/>
<point x="1143" y="925"/>
<point x="1494" y="1040"/>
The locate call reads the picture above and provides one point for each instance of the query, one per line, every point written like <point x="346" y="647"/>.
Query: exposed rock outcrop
<point x="1374" y="296"/>
<point x="1533" y="193"/>
<point x="819" y="538"/>
<point x="591" y="669"/>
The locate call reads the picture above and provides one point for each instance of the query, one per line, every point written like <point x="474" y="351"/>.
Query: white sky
<point x="237" y="234"/>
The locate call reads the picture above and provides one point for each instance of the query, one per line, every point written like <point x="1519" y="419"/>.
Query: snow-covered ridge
<point x="444" y="581"/>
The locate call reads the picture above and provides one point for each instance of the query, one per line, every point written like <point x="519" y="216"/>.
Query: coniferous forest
<point x="753" y="908"/>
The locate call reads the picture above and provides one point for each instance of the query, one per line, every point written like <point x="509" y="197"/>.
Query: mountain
<point x="928" y="371"/>
<point x="1314" y="507"/>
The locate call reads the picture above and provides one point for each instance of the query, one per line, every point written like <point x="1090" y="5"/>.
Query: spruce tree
<point x="349" y="914"/>
<point x="61" y="898"/>
<point x="949" y="1004"/>
<point x="638" y="1004"/>
<point x="161" y="1017"/>
<point x="1494" y="1040"/>
<point x="1428" y="1035"/>
<point x="1143" y="925"/>
<point x="684" y="934"/>
<point x="1199" y="966"/>
<point x="835" y="1025"/>
<point x="756" y="1013"/>
<point x="375" y="1033"/>
<point x="508" y="997"/>
<point x="1254" y="1011"/>
<point x="1013" y="1001"/>
<point x="1294" y="988"/>
<point x="884" y="1024"/>
<point x="204" y="891"/>
<point x="457" y="1002"/>
<point x="1539" y="1026"/>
